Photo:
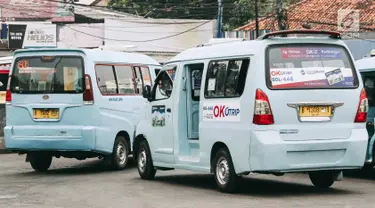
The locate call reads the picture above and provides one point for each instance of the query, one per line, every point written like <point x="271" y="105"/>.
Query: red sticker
<point x="23" y="64"/>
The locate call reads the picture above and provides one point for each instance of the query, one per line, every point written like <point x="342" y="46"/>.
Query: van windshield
<point x="310" y="67"/>
<point x="48" y="74"/>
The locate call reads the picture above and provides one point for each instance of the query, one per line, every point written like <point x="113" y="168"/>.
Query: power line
<point x="142" y="41"/>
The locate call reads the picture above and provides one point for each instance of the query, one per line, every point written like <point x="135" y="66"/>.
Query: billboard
<point x="32" y="35"/>
<point x="21" y="10"/>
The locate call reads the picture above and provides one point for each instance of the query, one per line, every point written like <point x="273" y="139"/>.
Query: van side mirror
<point x="146" y="93"/>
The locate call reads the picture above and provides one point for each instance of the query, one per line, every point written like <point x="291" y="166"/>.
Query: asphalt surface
<point x="79" y="184"/>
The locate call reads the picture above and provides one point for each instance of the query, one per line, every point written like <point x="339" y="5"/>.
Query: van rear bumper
<point x="50" y="138"/>
<point x="269" y="153"/>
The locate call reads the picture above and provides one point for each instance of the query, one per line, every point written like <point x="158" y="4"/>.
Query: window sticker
<point x="311" y="77"/>
<point x="211" y="85"/>
<point x="334" y="76"/>
<point x="32" y="70"/>
<point x="333" y="53"/>
<point x="70" y="75"/>
<point x="158" y="116"/>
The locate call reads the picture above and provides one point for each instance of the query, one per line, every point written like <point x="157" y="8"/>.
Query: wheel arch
<point x="137" y="141"/>
<point x="126" y="135"/>
<point x="215" y="148"/>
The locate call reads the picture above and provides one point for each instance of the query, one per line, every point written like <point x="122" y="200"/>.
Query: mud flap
<point x="339" y="176"/>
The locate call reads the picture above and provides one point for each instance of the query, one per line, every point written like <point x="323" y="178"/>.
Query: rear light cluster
<point x="8" y="95"/>
<point x="262" y="110"/>
<point x="361" y="115"/>
<point x="88" y="95"/>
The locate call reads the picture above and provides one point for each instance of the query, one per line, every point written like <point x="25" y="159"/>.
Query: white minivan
<point x="75" y="103"/>
<point x="275" y="105"/>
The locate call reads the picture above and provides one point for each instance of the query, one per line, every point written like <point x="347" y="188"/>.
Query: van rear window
<point x="310" y="67"/>
<point x="48" y="74"/>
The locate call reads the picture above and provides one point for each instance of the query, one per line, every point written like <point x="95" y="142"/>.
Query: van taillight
<point x="361" y="115"/>
<point x="88" y="95"/>
<point x="262" y="109"/>
<point x="8" y="95"/>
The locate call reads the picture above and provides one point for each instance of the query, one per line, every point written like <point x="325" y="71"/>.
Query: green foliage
<point x="235" y="12"/>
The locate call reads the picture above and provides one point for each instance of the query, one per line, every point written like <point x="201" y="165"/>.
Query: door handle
<point x="169" y="110"/>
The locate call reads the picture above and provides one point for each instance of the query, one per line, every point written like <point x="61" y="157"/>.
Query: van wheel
<point x="40" y="162"/>
<point x="120" y="153"/>
<point x="322" y="179"/>
<point x="225" y="176"/>
<point x="145" y="166"/>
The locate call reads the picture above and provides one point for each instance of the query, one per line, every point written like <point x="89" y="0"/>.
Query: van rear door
<point x="46" y="90"/>
<point x="313" y="91"/>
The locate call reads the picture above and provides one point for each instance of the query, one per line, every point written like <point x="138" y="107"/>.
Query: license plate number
<point x="315" y="111"/>
<point x="46" y="113"/>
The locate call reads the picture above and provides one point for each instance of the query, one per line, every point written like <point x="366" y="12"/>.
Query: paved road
<point x="77" y="184"/>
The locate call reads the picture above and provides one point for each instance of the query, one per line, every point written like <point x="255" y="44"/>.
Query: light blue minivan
<point x="366" y="67"/>
<point x="291" y="101"/>
<point x="75" y="103"/>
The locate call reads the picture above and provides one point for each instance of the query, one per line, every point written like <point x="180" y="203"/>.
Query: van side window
<point x="125" y="79"/>
<point x="106" y="79"/>
<point x="146" y="76"/>
<point x="163" y="86"/>
<point x="138" y="80"/>
<point x="226" y="78"/>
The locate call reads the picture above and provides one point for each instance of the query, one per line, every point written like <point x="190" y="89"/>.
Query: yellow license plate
<point x="46" y="113"/>
<point x="315" y="111"/>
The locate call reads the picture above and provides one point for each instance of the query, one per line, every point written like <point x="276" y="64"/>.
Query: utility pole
<point x="281" y="15"/>
<point x="256" y="19"/>
<point x="219" y="18"/>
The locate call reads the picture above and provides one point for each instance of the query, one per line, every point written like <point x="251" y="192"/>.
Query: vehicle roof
<point x="6" y="59"/>
<point x="242" y="48"/>
<point x="99" y="55"/>
<point x="365" y="64"/>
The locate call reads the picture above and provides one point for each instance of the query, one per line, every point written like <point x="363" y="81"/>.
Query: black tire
<point x="145" y="165"/>
<point x="39" y="161"/>
<point x="120" y="154"/>
<point x="322" y="179"/>
<point x="226" y="179"/>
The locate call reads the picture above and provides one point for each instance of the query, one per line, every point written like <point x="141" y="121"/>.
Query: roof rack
<point x="215" y="41"/>
<point x="284" y="33"/>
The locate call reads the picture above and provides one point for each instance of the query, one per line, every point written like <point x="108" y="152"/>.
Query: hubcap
<point x="121" y="153"/>
<point x="222" y="171"/>
<point x="142" y="160"/>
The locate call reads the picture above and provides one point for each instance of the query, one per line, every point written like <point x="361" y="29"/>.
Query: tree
<point x="235" y="12"/>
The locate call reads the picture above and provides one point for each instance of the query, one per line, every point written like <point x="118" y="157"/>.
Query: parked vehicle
<point x="75" y="103"/>
<point x="5" y="63"/>
<point x="274" y="105"/>
<point x="367" y="69"/>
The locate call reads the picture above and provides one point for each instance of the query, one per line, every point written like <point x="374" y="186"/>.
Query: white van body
<point x="75" y="103"/>
<point x="366" y="67"/>
<point x="273" y="105"/>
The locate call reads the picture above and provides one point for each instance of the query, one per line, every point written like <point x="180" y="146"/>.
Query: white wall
<point x="138" y="32"/>
<point x="80" y="35"/>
